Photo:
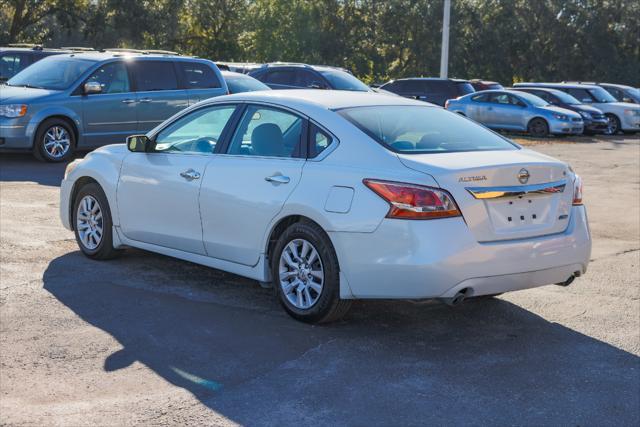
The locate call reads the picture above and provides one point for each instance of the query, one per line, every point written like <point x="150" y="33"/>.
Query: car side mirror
<point x="625" y="99"/>
<point x="92" y="87"/>
<point x="138" y="143"/>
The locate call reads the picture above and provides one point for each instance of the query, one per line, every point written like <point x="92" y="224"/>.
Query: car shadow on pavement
<point x="24" y="167"/>
<point x="386" y="363"/>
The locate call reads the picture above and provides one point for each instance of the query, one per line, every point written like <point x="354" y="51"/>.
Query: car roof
<point x="301" y="65"/>
<point x="303" y="99"/>
<point x="553" y="85"/>
<point x="542" y="89"/>
<point x="32" y="49"/>
<point x="110" y="54"/>
<point x="431" y="79"/>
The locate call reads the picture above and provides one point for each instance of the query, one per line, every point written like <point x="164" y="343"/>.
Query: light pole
<point x="444" y="56"/>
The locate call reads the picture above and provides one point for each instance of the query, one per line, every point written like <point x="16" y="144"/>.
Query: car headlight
<point x="585" y="114"/>
<point x="560" y="116"/>
<point x="13" y="110"/>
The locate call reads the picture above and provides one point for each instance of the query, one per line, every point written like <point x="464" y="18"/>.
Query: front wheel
<point x="613" y="127"/>
<point x="54" y="141"/>
<point x="306" y="275"/>
<point x="92" y="223"/>
<point x="538" y="128"/>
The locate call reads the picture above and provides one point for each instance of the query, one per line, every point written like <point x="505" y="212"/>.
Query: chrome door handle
<point x="190" y="175"/>
<point x="278" y="179"/>
<point x="128" y="101"/>
<point x="145" y="100"/>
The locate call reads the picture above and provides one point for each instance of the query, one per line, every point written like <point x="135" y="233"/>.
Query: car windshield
<point x="601" y="95"/>
<point x="56" y="72"/>
<point x="243" y="83"/>
<point x="536" y="101"/>
<point x="341" y="80"/>
<point x="416" y="129"/>
<point x="565" y="97"/>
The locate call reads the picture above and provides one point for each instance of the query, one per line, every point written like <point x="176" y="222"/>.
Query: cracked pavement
<point x="146" y="339"/>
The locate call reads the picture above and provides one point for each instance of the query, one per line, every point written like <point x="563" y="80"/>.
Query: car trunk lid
<point x="503" y="195"/>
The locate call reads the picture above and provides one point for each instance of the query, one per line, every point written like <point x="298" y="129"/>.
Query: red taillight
<point x="410" y="201"/>
<point x="577" y="191"/>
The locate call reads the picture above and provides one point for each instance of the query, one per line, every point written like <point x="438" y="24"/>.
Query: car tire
<point x="55" y="141"/>
<point x="538" y="127"/>
<point x="301" y="254"/>
<point x="92" y="223"/>
<point x="614" y="124"/>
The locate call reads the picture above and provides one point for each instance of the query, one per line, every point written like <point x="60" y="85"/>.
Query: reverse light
<point x="577" y="191"/>
<point x="13" y="110"/>
<point x="410" y="201"/>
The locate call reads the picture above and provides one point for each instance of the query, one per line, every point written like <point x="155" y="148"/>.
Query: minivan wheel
<point x="538" y="128"/>
<point x="306" y="275"/>
<point x="54" y="141"/>
<point x="613" y="127"/>
<point x="92" y="223"/>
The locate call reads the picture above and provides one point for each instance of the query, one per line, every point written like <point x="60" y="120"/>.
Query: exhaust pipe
<point x="457" y="299"/>
<point x="568" y="281"/>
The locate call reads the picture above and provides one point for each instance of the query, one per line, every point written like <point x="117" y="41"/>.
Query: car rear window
<point x="464" y="88"/>
<point x="412" y="129"/>
<point x="198" y="75"/>
<point x="155" y="75"/>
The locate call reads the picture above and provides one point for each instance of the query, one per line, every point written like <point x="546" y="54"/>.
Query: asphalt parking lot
<point x="152" y="340"/>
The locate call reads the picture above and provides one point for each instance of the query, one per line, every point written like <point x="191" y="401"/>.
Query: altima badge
<point x="523" y="176"/>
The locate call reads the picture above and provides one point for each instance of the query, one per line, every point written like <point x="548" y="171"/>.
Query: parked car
<point x="479" y="85"/>
<point x="433" y="90"/>
<point x="85" y="100"/>
<point x="517" y="111"/>
<point x="622" y="93"/>
<point x="16" y="58"/>
<point x="238" y="67"/>
<point x="621" y="115"/>
<point x="237" y="82"/>
<point x="281" y="75"/>
<point x="392" y="188"/>
<point x="594" y="120"/>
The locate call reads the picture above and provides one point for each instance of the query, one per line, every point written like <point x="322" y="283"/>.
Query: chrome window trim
<point x="517" y="190"/>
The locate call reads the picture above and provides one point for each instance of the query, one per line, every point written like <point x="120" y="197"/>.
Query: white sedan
<point x="333" y="196"/>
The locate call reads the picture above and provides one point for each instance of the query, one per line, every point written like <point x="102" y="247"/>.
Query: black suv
<point x="433" y="90"/>
<point x="17" y="57"/>
<point x="302" y="76"/>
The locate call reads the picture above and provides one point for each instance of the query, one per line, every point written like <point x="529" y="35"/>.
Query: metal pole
<point x="444" y="57"/>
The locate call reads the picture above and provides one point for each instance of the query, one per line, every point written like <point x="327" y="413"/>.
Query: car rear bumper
<point x="437" y="258"/>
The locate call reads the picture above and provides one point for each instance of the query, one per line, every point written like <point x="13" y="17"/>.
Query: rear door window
<point x="197" y="75"/>
<point x="155" y="76"/>
<point x="280" y="77"/>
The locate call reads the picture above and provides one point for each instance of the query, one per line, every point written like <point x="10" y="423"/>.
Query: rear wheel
<point x="613" y="127"/>
<point x="306" y="275"/>
<point x="538" y="127"/>
<point x="92" y="223"/>
<point x="54" y="141"/>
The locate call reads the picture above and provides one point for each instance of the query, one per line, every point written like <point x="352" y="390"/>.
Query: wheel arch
<point x="536" y="118"/>
<point x="65" y="114"/>
<point x="77" y="185"/>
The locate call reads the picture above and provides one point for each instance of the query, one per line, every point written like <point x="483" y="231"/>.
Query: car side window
<point x="500" y="98"/>
<point x="197" y="132"/>
<point x="483" y="97"/>
<point x="11" y="64"/>
<point x="582" y="94"/>
<point x="305" y="78"/>
<point x="319" y="140"/>
<point x="197" y="75"/>
<point x="267" y="132"/>
<point x="280" y="77"/>
<point x="514" y="100"/>
<point x="113" y="78"/>
<point x="155" y="75"/>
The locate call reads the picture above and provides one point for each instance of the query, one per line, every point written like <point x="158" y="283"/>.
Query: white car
<point x="333" y="196"/>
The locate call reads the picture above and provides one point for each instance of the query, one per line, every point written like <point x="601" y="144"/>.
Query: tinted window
<point x="464" y="88"/>
<point x="319" y="139"/>
<point x="305" y="78"/>
<point x="416" y="129"/>
<point x="198" y="75"/>
<point x="267" y="132"/>
<point x="411" y="86"/>
<point x="155" y="75"/>
<point x="11" y="64"/>
<point x="197" y="132"/>
<point x="54" y="72"/>
<point x="483" y="97"/>
<point x="581" y="95"/>
<point x="280" y="77"/>
<point x="341" y="80"/>
<point x="499" y="98"/>
<point x="113" y="78"/>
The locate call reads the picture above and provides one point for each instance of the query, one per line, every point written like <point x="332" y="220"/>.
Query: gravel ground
<point x="145" y="339"/>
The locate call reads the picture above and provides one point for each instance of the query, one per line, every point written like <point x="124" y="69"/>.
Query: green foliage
<point x="504" y="40"/>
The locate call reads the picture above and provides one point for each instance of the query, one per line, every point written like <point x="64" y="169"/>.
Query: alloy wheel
<point x="301" y="274"/>
<point x="89" y="222"/>
<point x="57" y="142"/>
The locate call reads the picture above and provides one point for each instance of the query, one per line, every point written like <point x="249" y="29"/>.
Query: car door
<point x="158" y="91"/>
<point x="478" y="108"/>
<point x="245" y="188"/>
<point x="111" y="115"/>
<point x="158" y="191"/>
<point x="200" y="80"/>
<point x="503" y="113"/>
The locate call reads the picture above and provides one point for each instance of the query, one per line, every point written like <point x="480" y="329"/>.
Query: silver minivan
<point x="81" y="101"/>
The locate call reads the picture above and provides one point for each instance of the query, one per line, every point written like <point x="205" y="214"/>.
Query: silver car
<point x="517" y="111"/>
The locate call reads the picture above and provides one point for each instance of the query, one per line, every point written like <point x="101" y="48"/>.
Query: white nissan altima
<point x="333" y="196"/>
